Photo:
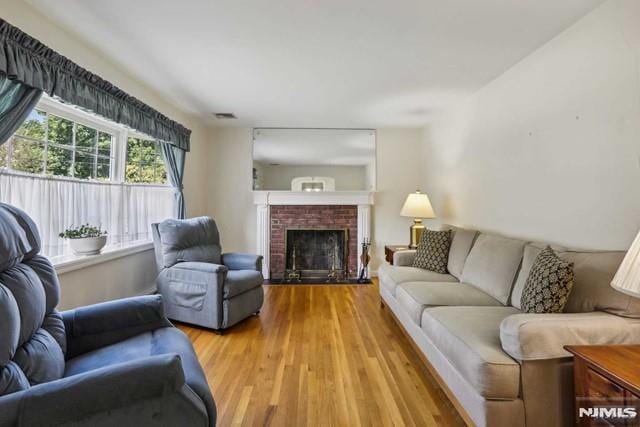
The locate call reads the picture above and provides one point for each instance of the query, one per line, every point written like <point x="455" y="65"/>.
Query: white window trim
<point x="120" y="132"/>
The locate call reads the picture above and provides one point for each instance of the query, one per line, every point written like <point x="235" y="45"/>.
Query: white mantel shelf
<point x="263" y="199"/>
<point x="313" y="198"/>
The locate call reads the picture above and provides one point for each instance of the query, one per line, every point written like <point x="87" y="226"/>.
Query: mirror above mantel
<point x="314" y="160"/>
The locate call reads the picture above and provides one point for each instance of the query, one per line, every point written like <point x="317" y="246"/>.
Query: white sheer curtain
<point x="126" y="211"/>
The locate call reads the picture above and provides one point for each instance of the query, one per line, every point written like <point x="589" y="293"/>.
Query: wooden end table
<point x="606" y="377"/>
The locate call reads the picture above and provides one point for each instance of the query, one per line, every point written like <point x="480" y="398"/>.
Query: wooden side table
<point x="606" y="376"/>
<point x="389" y="250"/>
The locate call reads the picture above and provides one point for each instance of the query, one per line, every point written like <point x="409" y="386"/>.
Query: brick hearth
<point x="311" y="216"/>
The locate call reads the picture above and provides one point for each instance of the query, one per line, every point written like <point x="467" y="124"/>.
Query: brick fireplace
<point x="319" y="217"/>
<point x="278" y="210"/>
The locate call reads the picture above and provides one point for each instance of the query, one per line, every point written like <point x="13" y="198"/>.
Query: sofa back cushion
<point x="492" y="265"/>
<point x="592" y="289"/>
<point x="461" y="242"/>
<point x="32" y="334"/>
<point x="189" y="240"/>
<point x="593" y="272"/>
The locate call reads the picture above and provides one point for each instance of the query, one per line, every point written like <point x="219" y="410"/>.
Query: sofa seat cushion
<point x="414" y="297"/>
<point x="391" y="276"/>
<point x="240" y="281"/>
<point x="168" y="340"/>
<point x="469" y="337"/>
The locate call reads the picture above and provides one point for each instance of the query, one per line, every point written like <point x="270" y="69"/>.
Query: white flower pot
<point x="88" y="245"/>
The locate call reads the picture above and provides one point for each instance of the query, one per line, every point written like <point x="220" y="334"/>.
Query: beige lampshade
<point x="417" y="205"/>
<point x="627" y="279"/>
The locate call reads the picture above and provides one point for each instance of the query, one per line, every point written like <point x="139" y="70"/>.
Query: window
<point x="66" y="167"/>
<point x="46" y="144"/>
<point x="144" y="162"/>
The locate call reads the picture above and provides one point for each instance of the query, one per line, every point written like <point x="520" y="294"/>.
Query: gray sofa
<point x="199" y="283"/>
<point x="503" y="367"/>
<point x="119" y="363"/>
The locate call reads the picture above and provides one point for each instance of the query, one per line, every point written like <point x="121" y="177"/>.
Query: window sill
<point x="67" y="263"/>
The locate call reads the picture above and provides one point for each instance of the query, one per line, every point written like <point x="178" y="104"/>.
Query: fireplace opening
<point x="316" y="254"/>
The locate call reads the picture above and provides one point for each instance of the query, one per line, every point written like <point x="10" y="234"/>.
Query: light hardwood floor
<point x="320" y="355"/>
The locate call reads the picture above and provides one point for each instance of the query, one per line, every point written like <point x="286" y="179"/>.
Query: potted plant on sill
<point x="86" y="239"/>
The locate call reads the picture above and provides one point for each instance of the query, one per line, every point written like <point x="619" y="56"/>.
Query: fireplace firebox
<point x="313" y="253"/>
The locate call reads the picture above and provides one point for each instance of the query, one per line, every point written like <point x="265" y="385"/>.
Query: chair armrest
<point x="202" y="267"/>
<point x="404" y="258"/>
<point x="77" y="397"/>
<point x="98" y="325"/>
<point x="240" y="261"/>
<point x="543" y="336"/>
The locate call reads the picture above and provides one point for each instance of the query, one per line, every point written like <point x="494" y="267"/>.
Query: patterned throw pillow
<point x="548" y="285"/>
<point x="433" y="251"/>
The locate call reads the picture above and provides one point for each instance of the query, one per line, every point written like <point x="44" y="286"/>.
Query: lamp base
<point x="415" y="232"/>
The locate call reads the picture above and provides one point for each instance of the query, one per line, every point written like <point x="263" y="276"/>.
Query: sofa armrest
<point x="103" y="390"/>
<point x="98" y="325"/>
<point x="404" y="258"/>
<point x="240" y="261"/>
<point x="543" y="336"/>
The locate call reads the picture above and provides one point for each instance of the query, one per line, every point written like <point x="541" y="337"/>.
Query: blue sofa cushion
<point x="160" y="341"/>
<point x="241" y="281"/>
<point x="195" y="239"/>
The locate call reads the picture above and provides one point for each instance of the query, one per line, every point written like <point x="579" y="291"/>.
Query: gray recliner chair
<point x="199" y="283"/>
<point x="119" y="363"/>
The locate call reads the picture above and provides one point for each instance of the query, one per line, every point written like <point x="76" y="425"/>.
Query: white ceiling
<point x="316" y="63"/>
<point x="337" y="147"/>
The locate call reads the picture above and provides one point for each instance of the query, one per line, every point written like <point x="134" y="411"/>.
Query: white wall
<point x="399" y="173"/>
<point x="118" y="278"/>
<point x="550" y="150"/>
<point x="347" y="178"/>
<point x="230" y="196"/>
<point x="131" y="275"/>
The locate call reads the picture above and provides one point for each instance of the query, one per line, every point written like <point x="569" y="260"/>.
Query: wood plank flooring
<point x="320" y="355"/>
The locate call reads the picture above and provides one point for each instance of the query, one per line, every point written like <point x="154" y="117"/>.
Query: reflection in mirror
<point x="314" y="160"/>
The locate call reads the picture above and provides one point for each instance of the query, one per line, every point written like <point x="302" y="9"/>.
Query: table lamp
<point x="627" y="278"/>
<point x="417" y="206"/>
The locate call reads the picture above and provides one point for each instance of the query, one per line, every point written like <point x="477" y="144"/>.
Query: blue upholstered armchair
<point x="199" y="283"/>
<point x="118" y="363"/>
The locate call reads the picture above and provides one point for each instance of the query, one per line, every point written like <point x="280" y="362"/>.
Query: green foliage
<point x="59" y="159"/>
<point x="46" y="138"/>
<point x="26" y="151"/>
<point x="82" y="232"/>
<point x="3" y="154"/>
<point x="27" y="156"/>
<point x="144" y="162"/>
<point x="34" y="127"/>
<point x="86" y="145"/>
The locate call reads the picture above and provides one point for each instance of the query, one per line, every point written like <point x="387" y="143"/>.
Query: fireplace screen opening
<point x="316" y="254"/>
